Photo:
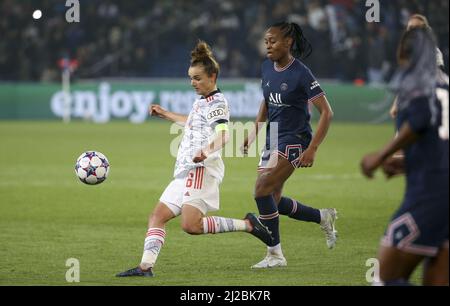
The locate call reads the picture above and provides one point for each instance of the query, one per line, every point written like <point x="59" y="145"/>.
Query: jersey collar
<point x="277" y="69"/>
<point x="211" y="94"/>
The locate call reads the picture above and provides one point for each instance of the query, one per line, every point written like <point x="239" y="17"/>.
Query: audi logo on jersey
<point x="215" y="113"/>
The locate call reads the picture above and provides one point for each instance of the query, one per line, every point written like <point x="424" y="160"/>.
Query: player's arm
<point x="393" y="110"/>
<point x="394" y="165"/>
<point x="326" y="115"/>
<point x="372" y="161"/>
<point x="221" y="139"/>
<point x="261" y="118"/>
<point x="156" y="110"/>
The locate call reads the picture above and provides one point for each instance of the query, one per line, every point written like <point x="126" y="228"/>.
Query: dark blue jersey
<point x="426" y="160"/>
<point x="287" y="94"/>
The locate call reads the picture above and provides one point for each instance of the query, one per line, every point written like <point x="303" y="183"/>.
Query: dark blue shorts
<point x="420" y="225"/>
<point x="291" y="152"/>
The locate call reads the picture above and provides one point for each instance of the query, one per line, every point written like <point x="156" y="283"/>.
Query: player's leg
<point x="154" y="241"/>
<point x="156" y="234"/>
<point x="396" y="266"/>
<point x="195" y="222"/>
<point x="168" y="207"/>
<point x="191" y="219"/>
<point x="268" y="182"/>
<point x="200" y="196"/>
<point x="325" y="217"/>
<point x="435" y="271"/>
<point x="277" y="195"/>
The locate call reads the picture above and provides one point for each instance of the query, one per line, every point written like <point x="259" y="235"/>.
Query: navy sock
<point x="298" y="211"/>
<point x="268" y="214"/>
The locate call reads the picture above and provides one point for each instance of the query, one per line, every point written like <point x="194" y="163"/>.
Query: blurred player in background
<point x="418" y="21"/>
<point x="395" y="164"/>
<point x="419" y="228"/>
<point x="199" y="168"/>
<point x="288" y="87"/>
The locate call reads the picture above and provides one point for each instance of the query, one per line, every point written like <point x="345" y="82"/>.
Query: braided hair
<point x="301" y="47"/>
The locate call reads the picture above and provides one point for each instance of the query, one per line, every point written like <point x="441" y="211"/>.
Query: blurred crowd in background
<point x="153" y="38"/>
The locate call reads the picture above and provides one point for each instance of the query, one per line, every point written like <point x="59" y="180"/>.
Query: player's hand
<point x="393" y="166"/>
<point x="156" y="110"/>
<point x="244" y="147"/>
<point x="370" y="163"/>
<point x="307" y="158"/>
<point x="200" y="156"/>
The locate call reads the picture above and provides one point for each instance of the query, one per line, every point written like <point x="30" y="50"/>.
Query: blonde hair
<point x="202" y="55"/>
<point x="422" y="18"/>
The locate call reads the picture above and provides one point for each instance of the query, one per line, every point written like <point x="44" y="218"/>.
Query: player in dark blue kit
<point x="419" y="228"/>
<point x="289" y="87"/>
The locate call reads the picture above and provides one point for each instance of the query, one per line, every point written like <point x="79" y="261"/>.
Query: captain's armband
<point x="221" y="127"/>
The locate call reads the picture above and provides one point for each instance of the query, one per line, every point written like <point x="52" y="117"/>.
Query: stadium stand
<point x="142" y="38"/>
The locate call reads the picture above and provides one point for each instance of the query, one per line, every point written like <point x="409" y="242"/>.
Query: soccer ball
<point x="92" y="167"/>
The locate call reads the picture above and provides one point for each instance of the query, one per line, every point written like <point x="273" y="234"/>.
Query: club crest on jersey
<point x="284" y="87"/>
<point x="275" y="98"/>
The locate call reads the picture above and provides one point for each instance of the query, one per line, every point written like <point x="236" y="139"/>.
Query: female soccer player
<point x="419" y="228"/>
<point x="199" y="168"/>
<point x="418" y="21"/>
<point x="288" y="87"/>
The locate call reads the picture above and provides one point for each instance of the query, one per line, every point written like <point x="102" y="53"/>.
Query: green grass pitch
<point x="48" y="216"/>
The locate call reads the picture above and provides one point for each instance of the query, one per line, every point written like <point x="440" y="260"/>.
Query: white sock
<point x="215" y="225"/>
<point x="322" y="217"/>
<point x="152" y="246"/>
<point x="275" y="250"/>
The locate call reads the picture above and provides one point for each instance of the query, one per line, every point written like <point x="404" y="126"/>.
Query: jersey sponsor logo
<point x="215" y="113"/>
<point x="275" y="98"/>
<point x="284" y="87"/>
<point x="314" y="85"/>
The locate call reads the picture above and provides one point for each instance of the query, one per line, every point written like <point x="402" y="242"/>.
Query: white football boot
<point x="271" y="261"/>
<point x="328" y="218"/>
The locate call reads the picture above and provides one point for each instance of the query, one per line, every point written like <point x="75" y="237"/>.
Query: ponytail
<point x="301" y="48"/>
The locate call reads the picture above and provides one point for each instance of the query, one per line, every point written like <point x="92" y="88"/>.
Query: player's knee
<point x="192" y="228"/>
<point x="264" y="187"/>
<point x="277" y="197"/>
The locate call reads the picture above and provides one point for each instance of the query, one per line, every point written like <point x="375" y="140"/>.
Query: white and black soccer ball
<point x="92" y="167"/>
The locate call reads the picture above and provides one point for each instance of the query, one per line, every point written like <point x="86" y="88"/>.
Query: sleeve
<point x="264" y="81"/>
<point x="418" y="114"/>
<point x="262" y="75"/>
<point x="311" y="86"/>
<point x="218" y="113"/>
